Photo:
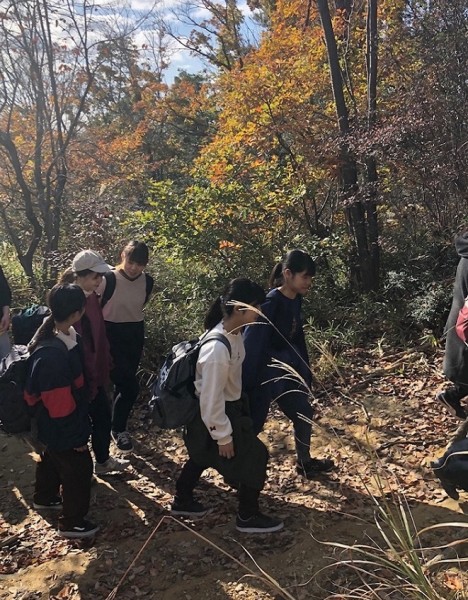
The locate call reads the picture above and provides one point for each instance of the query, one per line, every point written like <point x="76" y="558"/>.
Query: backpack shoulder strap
<point x="149" y="286"/>
<point x="109" y="276"/>
<point x="219" y="337"/>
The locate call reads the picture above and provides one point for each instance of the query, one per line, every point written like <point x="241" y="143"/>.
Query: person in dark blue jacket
<point x="280" y="336"/>
<point x="54" y="388"/>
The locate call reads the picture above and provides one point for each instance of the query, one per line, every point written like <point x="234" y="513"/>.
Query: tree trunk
<point x="362" y="268"/>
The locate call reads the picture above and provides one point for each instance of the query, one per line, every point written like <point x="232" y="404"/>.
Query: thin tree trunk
<point x="361" y="267"/>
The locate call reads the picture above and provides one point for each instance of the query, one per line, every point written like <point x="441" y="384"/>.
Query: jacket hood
<point x="461" y="245"/>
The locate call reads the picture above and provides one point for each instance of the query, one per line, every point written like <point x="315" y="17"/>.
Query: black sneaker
<point x="85" y="529"/>
<point x="314" y="467"/>
<point x="259" y="523"/>
<point x="453" y="406"/>
<point x="450" y="489"/>
<point x="188" y="508"/>
<point x="54" y="504"/>
<point x="122" y="440"/>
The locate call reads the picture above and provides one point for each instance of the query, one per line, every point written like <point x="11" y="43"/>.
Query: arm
<point x="257" y="342"/>
<point x="5" y="302"/>
<point x="214" y="367"/>
<point x="149" y="286"/>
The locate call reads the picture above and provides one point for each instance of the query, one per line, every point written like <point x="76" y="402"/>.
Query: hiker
<point x="86" y="271"/>
<point x="55" y="387"/>
<point x="284" y="340"/>
<point x="455" y="365"/>
<point x="5" y="302"/>
<point x="221" y="435"/>
<point x="124" y="292"/>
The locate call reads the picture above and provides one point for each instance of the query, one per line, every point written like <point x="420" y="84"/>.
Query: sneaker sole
<point x="74" y="535"/>
<point x="124" y="450"/>
<point x="260" y="529"/>
<point x="44" y="507"/>
<point x="186" y="513"/>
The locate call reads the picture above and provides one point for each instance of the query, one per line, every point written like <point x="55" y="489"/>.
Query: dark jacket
<point x="5" y="292"/>
<point x="263" y="342"/>
<point x="456" y="351"/>
<point x="54" y="388"/>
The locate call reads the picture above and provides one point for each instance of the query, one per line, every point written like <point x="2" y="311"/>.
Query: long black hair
<point x="240" y="290"/>
<point x="297" y="261"/>
<point x="63" y="300"/>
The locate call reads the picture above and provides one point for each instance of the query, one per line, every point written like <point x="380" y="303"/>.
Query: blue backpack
<point x="173" y="401"/>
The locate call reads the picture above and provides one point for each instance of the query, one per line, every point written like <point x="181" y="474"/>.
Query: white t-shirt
<point x="218" y="380"/>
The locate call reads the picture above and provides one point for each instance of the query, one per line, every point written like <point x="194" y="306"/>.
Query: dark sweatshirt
<point x="54" y="387"/>
<point x="262" y="341"/>
<point x="456" y="351"/>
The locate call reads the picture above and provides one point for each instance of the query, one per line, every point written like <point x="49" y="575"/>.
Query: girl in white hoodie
<point x="222" y="436"/>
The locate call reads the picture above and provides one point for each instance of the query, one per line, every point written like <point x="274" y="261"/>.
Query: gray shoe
<point x="112" y="465"/>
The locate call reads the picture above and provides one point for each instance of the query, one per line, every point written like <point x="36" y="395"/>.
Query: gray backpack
<point x="173" y="401"/>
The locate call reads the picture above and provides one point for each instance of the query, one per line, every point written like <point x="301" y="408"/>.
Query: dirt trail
<point x="397" y="408"/>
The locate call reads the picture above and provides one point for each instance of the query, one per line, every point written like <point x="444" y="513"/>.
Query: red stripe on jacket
<point x="59" y="402"/>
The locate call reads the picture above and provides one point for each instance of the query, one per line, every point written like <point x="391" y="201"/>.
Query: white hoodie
<point x="218" y="380"/>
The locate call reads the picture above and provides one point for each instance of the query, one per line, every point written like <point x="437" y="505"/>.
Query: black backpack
<point x="15" y="414"/>
<point x="173" y="401"/>
<point x="452" y="468"/>
<point x="25" y="323"/>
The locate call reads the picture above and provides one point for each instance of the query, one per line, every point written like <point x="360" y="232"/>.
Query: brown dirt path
<point x="36" y="564"/>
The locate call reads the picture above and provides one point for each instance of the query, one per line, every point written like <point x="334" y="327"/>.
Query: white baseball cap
<point x="90" y="260"/>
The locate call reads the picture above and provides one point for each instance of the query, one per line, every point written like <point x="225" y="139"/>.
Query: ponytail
<point x="237" y="290"/>
<point x="45" y="332"/>
<point x="214" y="314"/>
<point x="68" y="276"/>
<point x="276" y="276"/>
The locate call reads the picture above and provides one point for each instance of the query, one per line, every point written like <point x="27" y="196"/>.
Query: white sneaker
<point x="111" y="465"/>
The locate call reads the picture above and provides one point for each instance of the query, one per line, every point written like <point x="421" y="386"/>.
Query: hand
<point x="227" y="450"/>
<point x="81" y="449"/>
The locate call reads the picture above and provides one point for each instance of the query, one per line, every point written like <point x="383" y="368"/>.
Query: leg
<point x="100" y="413"/>
<point x="248" y="501"/>
<point x="188" y="480"/>
<point x="126" y="392"/>
<point x="47" y="486"/>
<point x="184" y="503"/>
<point x="259" y="401"/>
<point x="75" y="469"/>
<point x="295" y="405"/>
<point x="126" y="342"/>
